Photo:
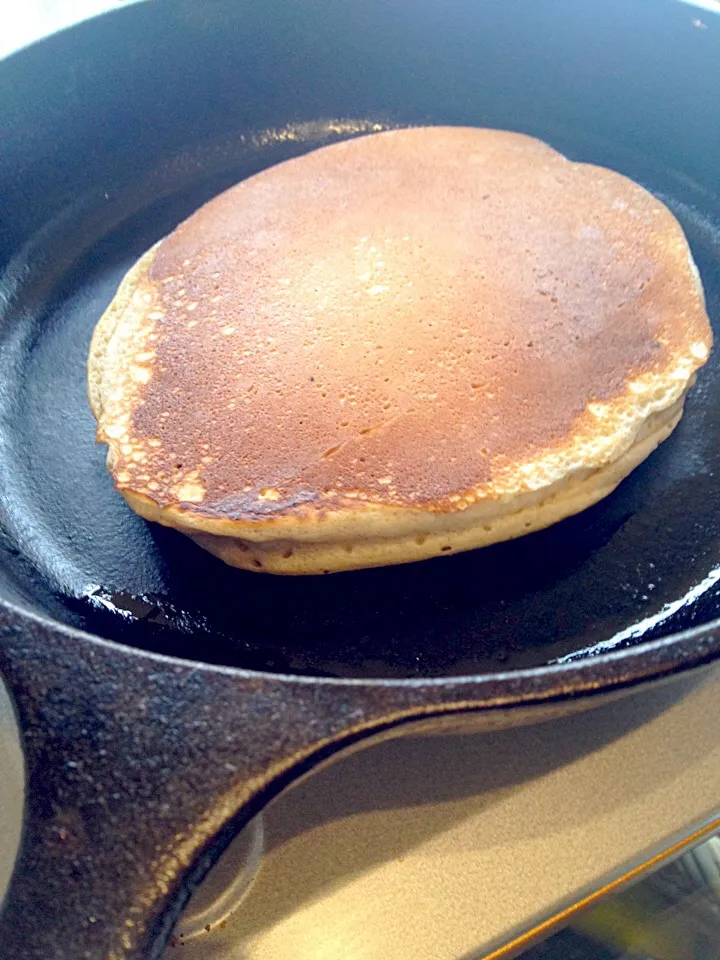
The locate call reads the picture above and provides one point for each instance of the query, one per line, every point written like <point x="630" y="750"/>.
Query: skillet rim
<point x="647" y="661"/>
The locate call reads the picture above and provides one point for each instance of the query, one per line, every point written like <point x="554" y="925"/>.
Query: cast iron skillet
<point x="140" y="766"/>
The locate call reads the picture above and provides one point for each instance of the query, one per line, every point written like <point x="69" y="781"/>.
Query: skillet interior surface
<point x="642" y="564"/>
<point x="84" y="197"/>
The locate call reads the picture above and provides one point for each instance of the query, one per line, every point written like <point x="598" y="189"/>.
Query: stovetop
<point x="437" y="848"/>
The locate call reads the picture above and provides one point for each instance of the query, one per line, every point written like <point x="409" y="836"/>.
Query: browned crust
<point x="401" y="324"/>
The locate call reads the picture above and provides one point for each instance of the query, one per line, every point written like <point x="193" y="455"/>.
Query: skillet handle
<point x="140" y="769"/>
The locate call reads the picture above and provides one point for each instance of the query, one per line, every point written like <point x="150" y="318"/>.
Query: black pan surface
<point x="641" y="565"/>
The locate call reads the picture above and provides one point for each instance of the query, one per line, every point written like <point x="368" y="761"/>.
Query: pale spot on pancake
<point x="191" y="306"/>
<point x="123" y="477"/>
<point x="216" y="299"/>
<point x="115" y="431"/>
<point x="145" y="356"/>
<point x="377" y="290"/>
<point x="156" y="315"/>
<point x="699" y="350"/>
<point x="141" y="374"/>
<point x="269" y="493"/>
<point x="598" y="410"/>
<point x="385" y="481"/>
<point x="190" y="492"/>
<point x="284" y="281"/>
<point x="191" y="323"/>
<point x="227" y="331"/>
<point x="154" y="442"/>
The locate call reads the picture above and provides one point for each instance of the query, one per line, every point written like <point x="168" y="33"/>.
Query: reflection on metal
<point x="712" y="6"/>
<point x="638" y="630"/>
<point x="224" y="888"/>
<point x="566" y="916"/>
<point x="12" y="789"/>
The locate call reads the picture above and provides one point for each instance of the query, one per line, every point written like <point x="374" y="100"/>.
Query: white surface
<point x="32" y="19"/>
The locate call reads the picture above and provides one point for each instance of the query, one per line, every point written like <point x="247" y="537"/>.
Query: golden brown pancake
<point x="397" y="347"/>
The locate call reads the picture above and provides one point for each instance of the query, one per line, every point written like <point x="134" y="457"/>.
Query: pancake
<point x="397" y="347"/>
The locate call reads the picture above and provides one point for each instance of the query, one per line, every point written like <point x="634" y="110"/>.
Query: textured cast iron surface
<point x="134" y="762"/>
